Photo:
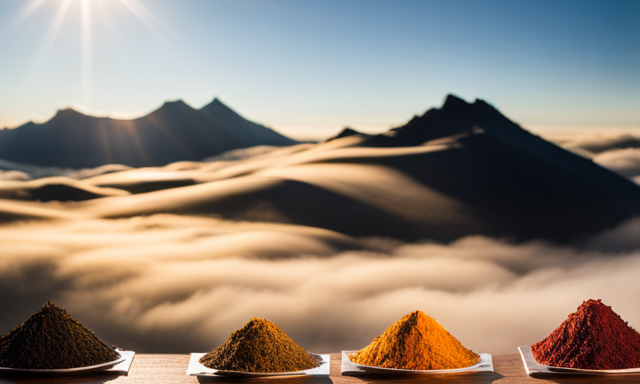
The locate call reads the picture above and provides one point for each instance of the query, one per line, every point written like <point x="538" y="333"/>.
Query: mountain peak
<point x="68" y="112"/>
<point x="173" y="131"/>
<point x="215" y="104"/>
<point x="454" y="102"/>
<point x="457" y="116"/>
<point x="176" y="103"/>
<point x="347" y="131"/>
<point x="65" y="115"/>
<point x="218" y="108"/>
<point x="175" y="106"/>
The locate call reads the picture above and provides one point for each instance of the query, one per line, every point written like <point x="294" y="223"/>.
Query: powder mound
<point x="418" y="342"/>
<point x="52" y="339"/>
<point x="260" y="346"/>
<point x="593" y="337"/>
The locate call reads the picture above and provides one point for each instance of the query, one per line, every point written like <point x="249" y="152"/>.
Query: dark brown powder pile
<point x="593" y="337"/>
<point x="52" y="339"/>
<point x="418" y="342"/>
<point x="260" y="346"/>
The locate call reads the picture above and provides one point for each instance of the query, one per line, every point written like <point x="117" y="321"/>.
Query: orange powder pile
<point x="416" y="342"/>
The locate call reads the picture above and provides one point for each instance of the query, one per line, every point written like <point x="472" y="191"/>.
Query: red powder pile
<point x="593" y="337"/>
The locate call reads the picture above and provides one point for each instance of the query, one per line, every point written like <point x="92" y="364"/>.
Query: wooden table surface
<point x="172" y="369"/>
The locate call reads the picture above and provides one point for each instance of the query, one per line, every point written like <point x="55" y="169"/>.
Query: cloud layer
<point x="617" y="152"/>
<point x="180" y="284"/>
<point x="623" y="161"/>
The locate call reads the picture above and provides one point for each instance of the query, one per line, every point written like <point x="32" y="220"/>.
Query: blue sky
<point x="309" y="68"/>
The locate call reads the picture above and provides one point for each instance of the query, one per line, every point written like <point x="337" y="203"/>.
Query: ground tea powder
<point x="593" y="337"/>
<point x="416" y="342"/>
<point x="260" y="346"/>
<point x="52" y="339"/>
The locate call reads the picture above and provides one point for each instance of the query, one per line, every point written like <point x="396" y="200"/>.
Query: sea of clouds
<point x="176" y="284"/>
<point x="617" y="152"/>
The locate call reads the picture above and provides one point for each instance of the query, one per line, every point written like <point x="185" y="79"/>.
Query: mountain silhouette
<point x="463" y="169"/>
<point x="457" y="118"/>
<point x="460" y="170"/>
<point x="173" y="132"/>
<point x="346" y="132"/>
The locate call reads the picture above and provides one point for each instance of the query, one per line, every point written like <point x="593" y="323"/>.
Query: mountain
<point x="463" y="169"/>
<point x="173" y="132"/>
<point x="346" y="132"/>
<point x="459" y="117"/>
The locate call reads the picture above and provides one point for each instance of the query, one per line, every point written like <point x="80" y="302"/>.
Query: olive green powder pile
<point x="260" y="346"/>
<point x="52" y="339"/>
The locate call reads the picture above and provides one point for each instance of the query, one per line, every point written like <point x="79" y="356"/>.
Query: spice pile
<point x="416" y="342"/>
<point x="52" y="339"/>
<point x="593" y="337"/>
<point x="260" y="346"/>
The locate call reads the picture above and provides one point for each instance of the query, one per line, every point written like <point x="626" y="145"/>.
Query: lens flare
<point x="40" y="60"/>
<point x="86" y="51"/>
<point x="91" y="13"/>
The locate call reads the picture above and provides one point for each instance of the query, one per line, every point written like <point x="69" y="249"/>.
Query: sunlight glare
<point x="142" y="13"/>
<point x="50" y="37"/>
<point x="86" y="51"/>
<point x="87" y="10"/>
<point x="27" y="11"/>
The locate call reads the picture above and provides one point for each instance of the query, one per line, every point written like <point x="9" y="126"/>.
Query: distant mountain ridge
<point x="171" y="133"/>
<point x="456" y="117"/>
<point x="463" y="169"/>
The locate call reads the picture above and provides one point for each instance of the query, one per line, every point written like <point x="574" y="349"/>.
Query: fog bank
<point x="180" y="284"/>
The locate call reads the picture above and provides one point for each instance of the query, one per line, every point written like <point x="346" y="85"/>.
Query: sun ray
<point x="86" y="51"/>
<point x="88" y="11"/>
<point x="27" y="11"/>
<point x="45" y="48"/>
<point x="130" y="128"/>
<point x="146" y="17"/>
<point x="109" y="26"/>
<point x="105" y="142"/>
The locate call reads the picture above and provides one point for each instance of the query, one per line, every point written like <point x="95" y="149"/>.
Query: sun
<point x="136" y="7"/>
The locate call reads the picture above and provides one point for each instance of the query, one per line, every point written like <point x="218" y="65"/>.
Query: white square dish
<point x="197" y="369"/>
<point x="485" y="365"/>
<point x="122" y="365"/>
<point x="535" y="368"/>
